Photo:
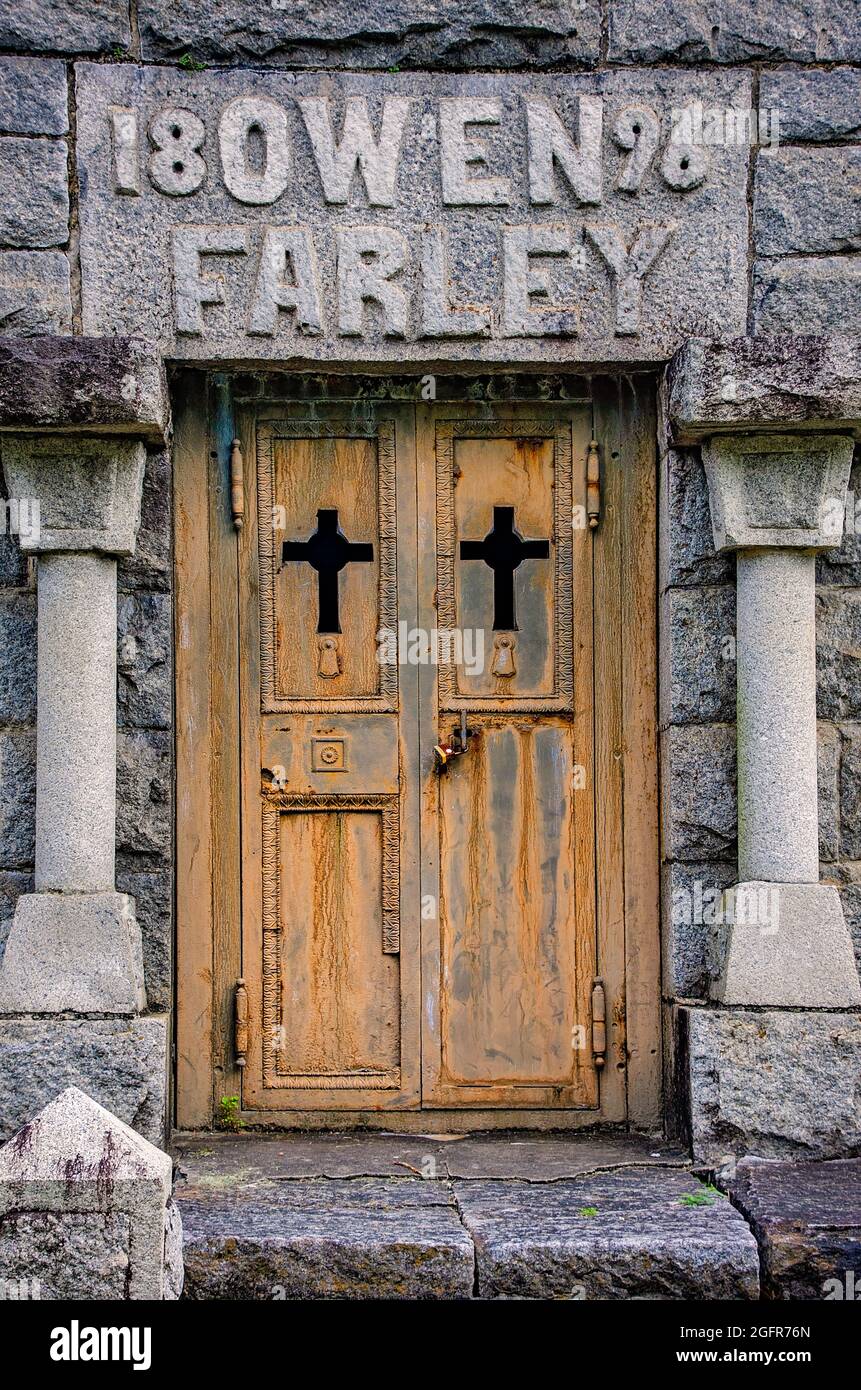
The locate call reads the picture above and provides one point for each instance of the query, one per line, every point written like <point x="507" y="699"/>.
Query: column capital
<point x="81" y="493"/>
<point x="777" y="490"/>
<point x="75" y="416"/>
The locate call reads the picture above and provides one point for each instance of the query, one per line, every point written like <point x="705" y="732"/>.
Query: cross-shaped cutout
<point x="327" y="551"/>
<point x="503" y="549"/>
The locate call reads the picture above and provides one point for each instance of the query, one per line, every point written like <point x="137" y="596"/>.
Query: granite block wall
<point x="803" y="275"/>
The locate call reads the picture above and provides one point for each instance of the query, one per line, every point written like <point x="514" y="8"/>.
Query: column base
<point x="774" y="1083"/>
<point x="784" y="945"/>
<point x="73" y="953"/>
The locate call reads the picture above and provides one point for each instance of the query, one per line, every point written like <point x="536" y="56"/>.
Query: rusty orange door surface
<point x="330" y="833"/>
<point x="509" y="953"/>
<point x="443" y="849"/>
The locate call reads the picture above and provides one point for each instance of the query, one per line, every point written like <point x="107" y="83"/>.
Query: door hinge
<point x="599" y="1024"/>
<point x="240" y="1023"/>
<point x="593" y="484"/>
<point x="237" y="484"/>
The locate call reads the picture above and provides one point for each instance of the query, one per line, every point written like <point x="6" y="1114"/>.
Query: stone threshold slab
<point x="635" y="1233"/>
<point x="531" y="1157"/>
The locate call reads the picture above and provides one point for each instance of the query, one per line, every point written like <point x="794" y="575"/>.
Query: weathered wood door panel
<point x="415" y="937"/>
<point x="330" y="947"/>
<point x="508" y="828"/>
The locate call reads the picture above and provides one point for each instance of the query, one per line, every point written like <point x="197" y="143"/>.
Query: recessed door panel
<point x="504" y="557"/>
<point x="508" y="911"/>
<point x="334" y="947"/>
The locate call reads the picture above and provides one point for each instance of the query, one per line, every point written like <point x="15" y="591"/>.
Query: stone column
<point x="76" y="747"/>
<point x="782" y="940"/>
<point x="778" y="826"/>
<point x="75" y="945"/>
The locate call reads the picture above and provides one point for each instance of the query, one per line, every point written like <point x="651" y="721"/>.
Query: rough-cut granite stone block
<point x="144" y="650"/>
<point x="33" y="97"/>
<point x="80" y="1189"/>
<point x="698" y="644"/>
<point x="750" y="383"/>
<point x="843" y="565"/>
<point x="65" y="26"/>
<point x="838" y="653"/>
<point x="807" y="294"/>
<point x="153" y="897"/>
<point x="693" y="31"/>
<point x="850" y="792"/>
<point x="35" y="293"/>
<point x="688" y="554"/>
<point x="18" y="797"/>
<point x="34" y="211"/>
<point x="630" y="1234"/>
<point x="151" y="565"/>
<point x="67" y="1255"/>
<point x="814" y="105"/>
<point x="144" y="799"/>
<point x="691" y="896"/>
<point x="360" y="1238"/>
<point x="807" y="1221"/>
<point x="381" y="34"/>
<point x="18" y="664"/>
<point x="699" y="778"/>
<point x="105" y="385"/>
<point x="806" y="200"/>
<point x="121" y="1063"/>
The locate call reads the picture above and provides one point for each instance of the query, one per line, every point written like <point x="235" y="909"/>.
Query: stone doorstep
<point x="334" y="1216"/>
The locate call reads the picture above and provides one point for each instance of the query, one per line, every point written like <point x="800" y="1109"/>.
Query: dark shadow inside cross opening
<point x="328" y="552"/>
<point x="504" y="550"/>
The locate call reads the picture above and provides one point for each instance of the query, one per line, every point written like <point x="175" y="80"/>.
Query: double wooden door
<point x="419" y="884"/>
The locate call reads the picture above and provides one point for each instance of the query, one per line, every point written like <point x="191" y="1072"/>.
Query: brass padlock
<point x="445" y="752"/>
<point x="441" y="754"/>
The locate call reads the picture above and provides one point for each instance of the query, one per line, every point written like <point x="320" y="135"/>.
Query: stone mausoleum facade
<point x="584" y="275"/>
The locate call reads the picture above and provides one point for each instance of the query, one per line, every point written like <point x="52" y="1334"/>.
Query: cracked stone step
<point x="635" y="1233"/>
<point x="506" y="1216"/>
<point x="318" y="1238"/>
